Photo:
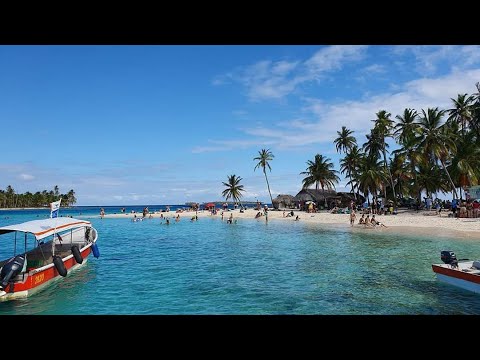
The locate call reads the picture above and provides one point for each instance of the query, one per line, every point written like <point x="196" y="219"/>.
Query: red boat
<point x="50" y="249"/>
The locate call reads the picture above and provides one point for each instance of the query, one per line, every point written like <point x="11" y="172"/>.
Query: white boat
<point x="43" y="251"/>
<point x="462" y="273"/>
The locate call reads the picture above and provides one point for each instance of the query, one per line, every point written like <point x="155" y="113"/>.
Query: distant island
<point x="9" y="198"/>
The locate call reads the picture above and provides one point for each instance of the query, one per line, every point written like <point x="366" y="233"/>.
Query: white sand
<point x="422" y="222"/>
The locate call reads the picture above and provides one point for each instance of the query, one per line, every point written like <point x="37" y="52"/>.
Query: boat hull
<point x="38" y="279"/>
<point x="459" y="278"/>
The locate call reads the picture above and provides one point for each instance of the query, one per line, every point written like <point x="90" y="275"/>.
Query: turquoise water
<point x="210" y="267"/>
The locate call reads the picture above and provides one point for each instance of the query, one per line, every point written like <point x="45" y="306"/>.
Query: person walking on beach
<point x="352" y="217"/>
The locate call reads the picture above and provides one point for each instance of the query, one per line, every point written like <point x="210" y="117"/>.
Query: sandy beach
<point x="422" y="222"/>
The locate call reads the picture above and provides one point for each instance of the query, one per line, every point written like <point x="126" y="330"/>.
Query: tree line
<point x="438" y="152"/>
<point x="9" y="198"/>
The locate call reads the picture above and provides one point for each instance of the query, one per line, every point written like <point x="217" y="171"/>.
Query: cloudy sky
<point x="127" y="125"/>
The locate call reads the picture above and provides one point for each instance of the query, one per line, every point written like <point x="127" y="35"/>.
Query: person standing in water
<point x="352" y="217"/>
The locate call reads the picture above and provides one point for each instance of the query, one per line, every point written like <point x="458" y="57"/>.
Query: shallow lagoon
<point x="210" y="267"/>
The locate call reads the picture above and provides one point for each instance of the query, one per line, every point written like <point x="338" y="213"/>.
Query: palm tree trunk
<point x="390" y="175"/>
<point x="351" y="181"/>
<point x="449" y="178"/>
<point x="324" y="197"/>
<point x="268" y="186"/>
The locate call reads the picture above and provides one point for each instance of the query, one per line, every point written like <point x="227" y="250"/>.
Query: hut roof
<point x="284" y="198"/>
<point x="314" y="195"/>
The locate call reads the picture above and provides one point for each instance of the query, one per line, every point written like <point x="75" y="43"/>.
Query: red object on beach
<point x="210" y="205"/>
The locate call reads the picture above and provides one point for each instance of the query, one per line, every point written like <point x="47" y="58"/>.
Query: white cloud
<point x="429" y="58"/>
<point x="333" y="58"/>
<point x="275" y="80"/>
<point x="26" y="177"/>
<point x="374" y="69"/>
<point x="357" y="115"/>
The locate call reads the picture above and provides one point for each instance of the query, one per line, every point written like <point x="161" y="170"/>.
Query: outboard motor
<point x="449" y="258"/>
<point x="11" y="269"/>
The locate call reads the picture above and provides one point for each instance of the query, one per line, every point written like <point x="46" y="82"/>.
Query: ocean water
<point x="251" y="267"/>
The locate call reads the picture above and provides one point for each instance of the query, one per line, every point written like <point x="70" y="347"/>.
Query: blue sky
<point x="127" y="125"/>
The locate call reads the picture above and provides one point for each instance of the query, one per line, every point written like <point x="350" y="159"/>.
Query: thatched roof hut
<point x="315" y="195"/>
<point x="346" y="197"/>
<point x="333" y="198"/>
<point x="284" y="202"/>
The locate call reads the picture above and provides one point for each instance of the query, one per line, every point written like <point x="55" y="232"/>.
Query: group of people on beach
<point x="365" y="221"/>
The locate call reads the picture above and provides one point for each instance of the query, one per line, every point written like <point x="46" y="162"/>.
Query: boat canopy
<point x="46" y="227"/>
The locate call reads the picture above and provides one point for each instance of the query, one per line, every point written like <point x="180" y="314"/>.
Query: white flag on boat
<point x="54" y="206"/>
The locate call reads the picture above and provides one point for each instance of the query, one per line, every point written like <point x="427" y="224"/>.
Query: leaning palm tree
<point x="264" y="156"/>
<point x="320" y="172"/>
<point x="345" y="142"/>
<point x="233" y="189"/>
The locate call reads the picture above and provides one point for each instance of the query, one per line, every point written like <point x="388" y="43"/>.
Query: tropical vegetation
<point x="9" y="198"/>
<point x="437" y="151"/>
<point x="233" y="189"/>
<point x="433" y="151"/>
<point x="321" y="173"/>
<point x="263" y="158"/>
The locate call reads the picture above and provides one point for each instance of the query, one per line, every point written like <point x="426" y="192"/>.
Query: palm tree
<point x="351" y="162"/>
<point x="373" y="146"/>
<point x="438" y="141"/>
<point x="3" y="199"/>
<point x="462" y="112"/>
<point x="233" y="189"/>
<point x="264" y="156"/>
<point x="431" y="178"/>
<point x="71" y="197"/>
<point x="399" y="170"/>
<point x="10" y="193"/>
<point x="371" y="176"/>
<point x="56" y="192"/>
<point x="320" y="172"/>
<point x="383" y="126"/>
<point x="465" y="165"/>
<point x="406" y="127"/>
<point x="411" y="152"/>
<point x="345" y="142"/>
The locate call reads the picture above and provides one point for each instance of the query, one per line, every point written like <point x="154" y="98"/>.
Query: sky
<point x="138" y="125"/>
